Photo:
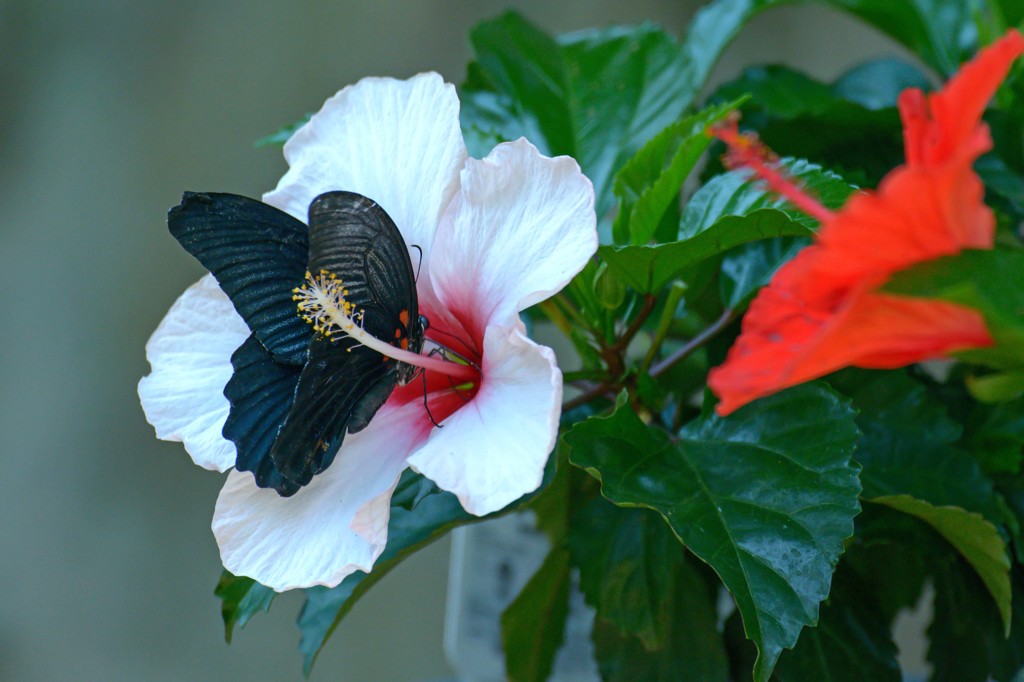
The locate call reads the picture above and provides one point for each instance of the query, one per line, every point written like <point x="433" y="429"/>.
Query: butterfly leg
<point x="425" y="405"/>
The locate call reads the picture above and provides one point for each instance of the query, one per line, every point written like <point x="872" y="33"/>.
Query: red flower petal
<point x="917" y="215"/>
<point x="940" y="126"/>
<point x="787" y="345"/>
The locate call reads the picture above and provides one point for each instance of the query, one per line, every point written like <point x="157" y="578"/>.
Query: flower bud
<point x="610" y="291"/>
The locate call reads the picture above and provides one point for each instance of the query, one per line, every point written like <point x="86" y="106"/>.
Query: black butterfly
<point x="295" y="392"/>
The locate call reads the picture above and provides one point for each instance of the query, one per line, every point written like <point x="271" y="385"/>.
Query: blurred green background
<point x="108" y="111"/>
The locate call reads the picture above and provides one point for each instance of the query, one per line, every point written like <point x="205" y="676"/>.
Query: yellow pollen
<point x="321" y="302"/>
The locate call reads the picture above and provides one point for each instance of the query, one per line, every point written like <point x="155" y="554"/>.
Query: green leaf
<point x="784" y="92"/>
<point x="910" y="464"/>
<point x="907" y="445"/>
<point x="765" y="496"/>
<point x="877" y="84"/>
<point x="597" y="95"/>
<point x="1008" y="656"/>
<point x="864" y="97"/>
<point x="1011" y="11"/>
<point x="650" y="181"/>
<point x="519" y="80"/>
<point x="240" y="598"/>
<point x="649" y="268"/>
<point x="600" y="95"/>
<point x="851" y="643"/>
<point x="740" y="194"/>
<point x="729" y="210"/>
<point x="1011" y="488"/>
<point x="976" y="539"/>
<point x="885" y="538"/>
<point x="994" y="434"/>
<point x="713" y="27"/>
<point x="965" y="621"/>
<point x="609" y="291"/>
<point x="552" y="504"/>
<point x="990" y="281"/>
<point x="749" y="267"/>
<point x="421" y="513"/>
<point x="1000" y="387"/>
<point x="941" y="32"/>
<point x="277" y="139"/>
<point x="533" y="625"/>
<point x="627" y="560"/>
<point x="1001" y="181"/>
<point x="489" y="118"/>
<point x="796" y="115"/>
<point x="891" y="547"/>
<point x="692" y="648"/>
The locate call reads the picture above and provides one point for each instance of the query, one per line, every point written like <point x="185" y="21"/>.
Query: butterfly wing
<point x="343" y="383"/>
<point x="261" y="392"/>
<point x="258" y="255"/>
<point x="329" y="390"/>
<point x="352" y="237"/>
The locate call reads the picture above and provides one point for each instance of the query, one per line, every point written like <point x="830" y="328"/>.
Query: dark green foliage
<point x="533" y="626"/>
<point x="728" y="485"/>
<point x="691" y="647"/>
<point x="823" y="511"/>
<point x="850" y="644"/>
<point x="241" y="598"/>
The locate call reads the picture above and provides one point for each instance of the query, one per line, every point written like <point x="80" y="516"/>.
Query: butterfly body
<point x="296" y="389"/>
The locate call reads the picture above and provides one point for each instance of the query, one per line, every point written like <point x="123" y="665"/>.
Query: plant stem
<point x="709" y="332"/>
<point x="634" y="327"/>
<point x="675" y="294"/>
<point x="590" y="375"/>
<point x="587" y="395"/>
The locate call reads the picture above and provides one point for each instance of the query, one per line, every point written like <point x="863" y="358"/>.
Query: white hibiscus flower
<point x="497" y="236"/>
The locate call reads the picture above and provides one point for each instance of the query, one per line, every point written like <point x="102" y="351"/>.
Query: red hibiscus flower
<point x="824" y="309"/>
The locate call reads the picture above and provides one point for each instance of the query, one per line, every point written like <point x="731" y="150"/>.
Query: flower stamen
<point x="322" y="302"/>
<point x="747" y="151"/>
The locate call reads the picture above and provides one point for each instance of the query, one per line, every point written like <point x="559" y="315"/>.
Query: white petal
<point x="493" y="450"/>
<point x="315" y="537"/>
<point x="190" y="353"/>
<point x="396" y="142"/>
<point x="519" y="229"/>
